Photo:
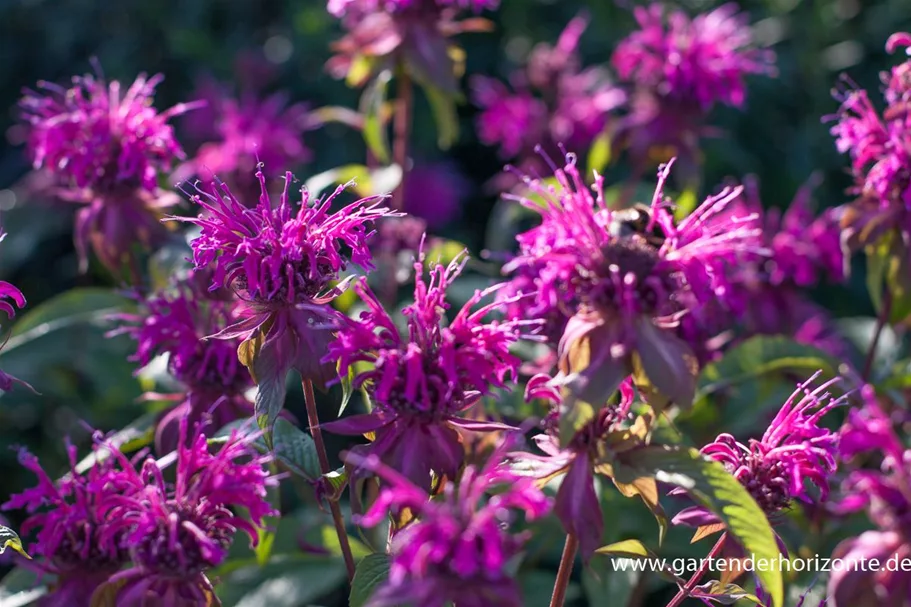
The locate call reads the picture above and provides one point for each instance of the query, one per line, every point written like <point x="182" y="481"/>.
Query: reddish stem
<point x="337" y="519"/>
<point x="566" y="569"/>
<point x="694" y="581"/>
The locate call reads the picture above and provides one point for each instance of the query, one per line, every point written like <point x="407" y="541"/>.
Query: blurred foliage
<point x="85" y="379"/>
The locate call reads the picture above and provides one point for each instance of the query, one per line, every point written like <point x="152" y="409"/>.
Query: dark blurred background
<point x="780" y="137"/>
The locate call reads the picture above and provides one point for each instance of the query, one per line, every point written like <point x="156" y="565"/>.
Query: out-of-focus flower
<point x="422" y="382"/>
<point x="793" y="452"/>
<point x="176" y="323"/>
<point x="397" y="243"/>
<point x="382" y="32"/>
<point x="614" y="284"/>
<point x="434" y="193"/>
<point x="284" y="267"/>
<point x="679" y="68"/>
<point x="250" y="132"/>
<point x="885" y="494"/>
<point x="764" y="296"/>
<point x="73" y="536"/>
<point x="553" y="102"/>
<point x="174" y="533"/>
<point x="107" y="149"/>
<point x="879" y="146"/>
<point x="577" y="504"/>
<point x="458" y="548"/>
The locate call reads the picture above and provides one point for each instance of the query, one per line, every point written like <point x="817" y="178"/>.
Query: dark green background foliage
<point x="83" y="376"/>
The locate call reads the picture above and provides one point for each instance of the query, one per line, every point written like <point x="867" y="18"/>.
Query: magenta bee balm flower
<point x="106" y="148"/>
<point x="72" y="532"/>
<point x="284" y="265"/>
<point x="879" y="145"/>
<point x="10" y="299"/>
<point x="614" y="284"/>
<point x="175" y="532"/>
<point x="421" y="382"/>
<point x="458" y="549"/>
<point x="679" y="68"/>
<point x="176" y="322"/>
<point x="794" y="451"/>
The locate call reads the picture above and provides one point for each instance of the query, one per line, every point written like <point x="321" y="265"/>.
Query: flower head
<point x="793" y="451"/>
<point x="250" y="131"/>
<point x="105" y="148"/>
<point x="703" y="60"/>
<point x="283" y="265"/>
<point x="176" y="323"/>
<point x="885" y="494"/>
<point x="554" y="102"/>
<point x="175" y="532"/>
<point x="613" y="284"/>
<point x="879" y="146"/>
<point x="458" y="547"/>
<point x="421" y="382"/>
<point x="73" y="533"/>
<point x="678" y="69"/>
<point x="380" y="32"/>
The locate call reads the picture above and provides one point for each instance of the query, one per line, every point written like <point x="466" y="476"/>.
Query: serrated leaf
<point x="711" y="485"/>
<point x="371" y="571"/>
<point x="725" y="594"/>
<point x="10" y="539"/>
<point x="372" y="102"/>
<point x="443" y="106"/>
<point x="295" y="449"/>
<point x="285" y="581"/>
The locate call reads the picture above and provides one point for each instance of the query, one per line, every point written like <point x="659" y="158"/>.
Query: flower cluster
<point x="93" y="524"/>
<point x="106" y="148"/>
<point x="555" y="102"/>
<point x="283" y="265"/>
<point x="885" y="494"/>
<point x="177" y="323"/>
<point x="615" y="283"/>
<point x="459" y="546"/>
<point x="679" y="68"/>
<point x="423" y="381"/>
<point x="794" y="450"/>
<point x="381" y="33"/>
<point x="878" y="145"/>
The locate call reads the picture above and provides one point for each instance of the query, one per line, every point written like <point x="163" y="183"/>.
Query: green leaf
<point x="372" y="106"/>
<point x="727" y="594"/>
<point x="599" y="155"/>
<point x="686" y="203"/>
<point x="627" y="548"/>
<point x="20" y="587"/>
<point x="888" y="268"/>
<point x="295" y="449"/>
<point x="443" y="106"/>
<point x="10" y="539"/>
<point x="371" y="571"/>
<point x="609" y="587"/>
<point x="445" y="251"/>
<point x="266" y="533"/>
<point x="573" y="419"/>
<point x="760" y="356"/>
<point x="336" y="480"/>
<point x="290" y="446"/>
<point x="367" y="181"/>
<point x="711" y="485"/>
<point x="347" y="390"/>
<point x="283" y="582"/>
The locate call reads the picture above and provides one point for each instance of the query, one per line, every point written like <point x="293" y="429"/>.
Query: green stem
<point x="317" y="433"/>
<point x="881" y="322"/>
<point x="566" y="569"/>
